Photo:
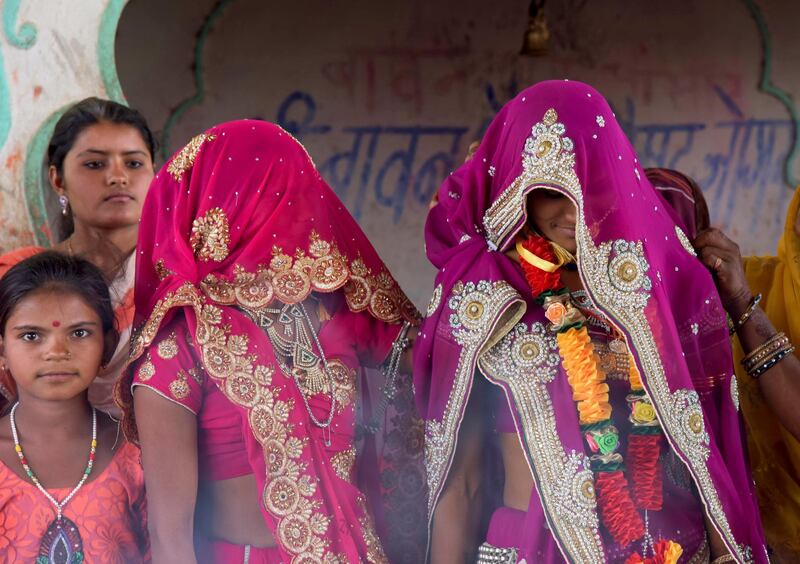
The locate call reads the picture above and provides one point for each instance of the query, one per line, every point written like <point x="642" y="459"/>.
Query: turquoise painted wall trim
<point x="25" y="37"/>
<point x="766" y="86"/>
<point x="105" y="50"/>
<point x="199" y="80"/>
<point x="34" y="181"/>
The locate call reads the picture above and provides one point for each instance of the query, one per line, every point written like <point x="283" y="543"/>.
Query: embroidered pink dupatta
<point x="240" y="217"/>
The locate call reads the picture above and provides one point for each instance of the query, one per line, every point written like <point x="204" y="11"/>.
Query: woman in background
<point x="762" y="298"/>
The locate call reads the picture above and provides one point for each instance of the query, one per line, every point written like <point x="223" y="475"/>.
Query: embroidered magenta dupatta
<point x="639" y="270"/>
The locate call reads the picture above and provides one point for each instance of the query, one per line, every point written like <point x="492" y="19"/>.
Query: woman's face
<point x="553" y="215"/>
<point x="53" y="345"/>
<point x="106" y="174"/>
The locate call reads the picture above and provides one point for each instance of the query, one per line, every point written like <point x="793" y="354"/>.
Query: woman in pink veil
<point x="259" y="302"/>
<point x="573" y="331"/>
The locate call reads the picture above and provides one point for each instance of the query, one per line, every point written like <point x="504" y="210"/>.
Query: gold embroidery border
<point x="502" y="308"/>
<point x="557" y="169"/>
<point x="322" y="268"/>
<point x="561" y="479"/>
<point x="289" y="488"/>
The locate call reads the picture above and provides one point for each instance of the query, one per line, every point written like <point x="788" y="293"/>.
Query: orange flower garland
<point x="590" y="391"/>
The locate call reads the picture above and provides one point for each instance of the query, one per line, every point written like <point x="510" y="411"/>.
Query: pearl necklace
<point x="32" y="476"/>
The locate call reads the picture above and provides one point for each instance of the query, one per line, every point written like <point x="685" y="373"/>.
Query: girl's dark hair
<point x="85" y="113"/>
<point x="52" y="270"/>
<point x="89" y="112"/>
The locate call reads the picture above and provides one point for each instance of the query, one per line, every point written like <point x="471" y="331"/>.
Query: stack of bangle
<point x="775" y="349"/>
<point x="751" y="307"/>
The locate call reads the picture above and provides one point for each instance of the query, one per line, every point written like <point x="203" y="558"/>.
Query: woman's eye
<point x="93" y="165"/>
<point x="30" y="336"/>
<point x="81" y="333"/>
<point x="135" y="164"/>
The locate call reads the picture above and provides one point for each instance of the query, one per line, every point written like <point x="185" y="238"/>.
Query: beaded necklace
<point x="618" y="502"/>
<point x="62" y="542"/>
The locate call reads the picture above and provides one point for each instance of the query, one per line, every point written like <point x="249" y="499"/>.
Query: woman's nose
<point x="570" y="213"/>
<point x="117" y="174"/>
<point x="58" y="349"/>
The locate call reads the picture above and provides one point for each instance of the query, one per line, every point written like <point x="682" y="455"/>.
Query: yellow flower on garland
<point x="643" y="412"/>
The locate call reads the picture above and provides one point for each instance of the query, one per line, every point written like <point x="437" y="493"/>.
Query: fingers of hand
<point x="706" y="237"/>
<point x="714" y="258"/>
<point x="713" y="236"/>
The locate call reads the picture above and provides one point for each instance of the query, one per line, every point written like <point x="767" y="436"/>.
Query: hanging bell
<point x="536" y="41"/>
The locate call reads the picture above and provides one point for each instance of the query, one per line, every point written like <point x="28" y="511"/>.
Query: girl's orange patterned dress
<point x="109" y="511"/>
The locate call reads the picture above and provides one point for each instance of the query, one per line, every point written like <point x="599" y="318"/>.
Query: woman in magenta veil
<point x="573" y="332"/>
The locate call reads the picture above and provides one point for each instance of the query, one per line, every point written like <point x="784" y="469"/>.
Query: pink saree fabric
<point x="241" y="218"/>
<point x="639" y="271"/>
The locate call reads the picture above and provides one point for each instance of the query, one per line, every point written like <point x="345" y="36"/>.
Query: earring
<point x="62" y="199"/>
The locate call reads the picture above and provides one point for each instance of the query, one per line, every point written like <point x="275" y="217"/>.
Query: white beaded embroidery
<point x="685" y="241"/>
<point x="735" y="392"/>
<point x="436" y="299"/>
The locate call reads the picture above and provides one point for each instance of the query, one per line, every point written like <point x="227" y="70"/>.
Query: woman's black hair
<point x="85" y="113"/>
<point x="89" y="112"/>
<point x="52" y="270"/>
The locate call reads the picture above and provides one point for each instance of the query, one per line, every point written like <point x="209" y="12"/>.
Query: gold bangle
<point x="775" y="342"/>
<point x="765" y="352"/>
<point x="751" y="308"/>
<point x="771" y="361"/>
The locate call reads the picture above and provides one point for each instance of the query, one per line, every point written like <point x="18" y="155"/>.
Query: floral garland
<point x="618" y="503"/>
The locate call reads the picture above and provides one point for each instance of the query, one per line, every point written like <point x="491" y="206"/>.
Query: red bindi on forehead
<point x="56" y="323"/>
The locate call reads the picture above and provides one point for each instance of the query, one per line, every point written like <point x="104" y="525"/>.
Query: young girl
<point x="71" y="488"/>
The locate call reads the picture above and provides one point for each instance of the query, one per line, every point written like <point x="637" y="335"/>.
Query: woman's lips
<point x="569" y="231"/>
<point x="118" y="198"/>
<point x="58" y="376"/>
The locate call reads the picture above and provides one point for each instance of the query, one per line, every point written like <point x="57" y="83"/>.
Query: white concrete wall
<point x="682" y="77"/>
<point x="415" y="82"/>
